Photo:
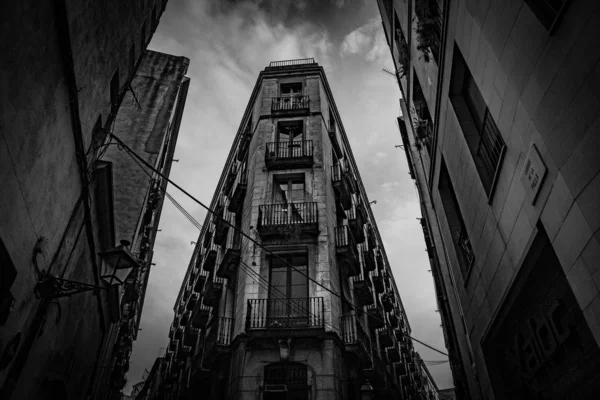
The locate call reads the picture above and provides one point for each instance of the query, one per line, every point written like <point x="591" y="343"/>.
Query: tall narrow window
<point x="288" y="291"/>
<point x="421" y="117"/>
<point x="547" y="11"/>
<point x="290" y="139"/>
<point x="461" y="240"/>
<point x="289" y="190"/>
<point x="479" y="128"/>
<point x="291" y="89"/>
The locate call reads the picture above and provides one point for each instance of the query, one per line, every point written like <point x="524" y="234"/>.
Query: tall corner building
<point x="500" y="126"/>
<point x="289" y="294"/>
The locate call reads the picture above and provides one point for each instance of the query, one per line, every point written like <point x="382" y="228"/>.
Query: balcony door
<point x="290" y="139"/>
<point x="288" y="192"/>
<point x="288" y="291"/>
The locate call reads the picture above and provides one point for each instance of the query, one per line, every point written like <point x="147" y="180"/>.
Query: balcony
<point x="400" y="367"/>
<point x="289" y="155"/>
<point x="379" y="258"/>
<point x="217" y="341"/>
<point x="293" y="220"/>
<point x="398" y="334"/>
<point x="244" y="143"/>
<point x="210" y="257"/>
<point x="375" y="314"/>
<point x="200" y="280"/>
<point x="377" y="277"/>
<point x="231" y="259"/>
<point x="357" y="217"/>
<point x="346" y="251"/>
<point x="294" y="317"/>
<point x="191" y="336"/>
<point x="222" y="226"/>
<point x="369" y="259"/>
<point x="212" y="291"/>
<point x="386" y="338"/>
<point x="239" y="190"/>
<point x="231" y="177"/>
<point x="185" y="318"/>
<point x="362" y="288"/>
<point x="178" y="332"/>
<point x="342" y="186"/>
<point x="371" y="237"/>
<point x="355" y="339"/>
<point x="393" y="318"/>
<point x="392" y="353"/>
<point x="200" y="315"/>
<point x="290" y="105"/>
<point x="184" y="352"/>
<point x="194" y="297"/>
<point x="387" y="302"/>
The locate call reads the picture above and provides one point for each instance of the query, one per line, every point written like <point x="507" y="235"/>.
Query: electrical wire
<point x="208" y="209"/>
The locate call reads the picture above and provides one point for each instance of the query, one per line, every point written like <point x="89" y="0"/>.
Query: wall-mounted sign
<point x="533" y="173"/>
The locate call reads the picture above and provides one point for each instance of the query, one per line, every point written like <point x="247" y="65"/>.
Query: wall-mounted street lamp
<point x="117" y="265"/>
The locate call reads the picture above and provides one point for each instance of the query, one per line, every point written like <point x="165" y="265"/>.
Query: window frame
<point x="466" y="99"/>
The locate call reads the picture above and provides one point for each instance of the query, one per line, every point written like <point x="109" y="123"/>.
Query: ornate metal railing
<point x="285" y="313"/>
<point x="289" y="150"/>
<point x="290" y="103"/>
<point x="289" y="63"/>
<point x="353" y="332"/>
<point x="272" y="215"/>
<point x="343" y="237"/>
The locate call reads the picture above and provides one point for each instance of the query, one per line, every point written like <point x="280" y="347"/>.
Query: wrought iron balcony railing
<point x="346" y="251"/>
<point x="239" y="187"/>
<point x="218" y="340"/>
<point x="231" y="257"/>
<point x="355" y="339"/>
<point x="295" y="154"/>
<point x="342" y="186"/>
<point x="290" y="104"/>
<point x="357" y="217"/>
<point x="288" y="219"/>
<point x="285" y="313"/>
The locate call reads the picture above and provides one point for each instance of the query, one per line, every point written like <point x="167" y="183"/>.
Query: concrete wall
<point x="41" y="178"/>
<point x="540" y="89"/>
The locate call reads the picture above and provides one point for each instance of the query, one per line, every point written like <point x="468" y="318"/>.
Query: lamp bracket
<point x="51" y="287"/>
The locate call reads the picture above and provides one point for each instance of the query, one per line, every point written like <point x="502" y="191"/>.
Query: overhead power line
<point x="275" y="255"/>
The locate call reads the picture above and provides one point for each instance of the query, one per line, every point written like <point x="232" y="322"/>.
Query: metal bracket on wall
<point x="51" y="287"/>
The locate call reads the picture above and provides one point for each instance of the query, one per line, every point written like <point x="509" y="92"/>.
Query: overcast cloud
<point x="228" y="44"/>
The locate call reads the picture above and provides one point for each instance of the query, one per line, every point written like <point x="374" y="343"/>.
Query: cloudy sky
<point x="228" y="43"/>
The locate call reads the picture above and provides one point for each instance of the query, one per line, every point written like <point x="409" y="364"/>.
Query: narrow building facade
<point x="501" y="133"/>
<point x="289" y="293"/>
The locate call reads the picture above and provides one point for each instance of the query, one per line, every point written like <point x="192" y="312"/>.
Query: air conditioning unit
<point x="275" y="388"/>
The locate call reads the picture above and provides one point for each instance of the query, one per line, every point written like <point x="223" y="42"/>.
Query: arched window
<point x="286" y="381"/>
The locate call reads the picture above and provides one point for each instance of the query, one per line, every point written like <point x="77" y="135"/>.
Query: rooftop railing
<point x="291" y="63"/>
